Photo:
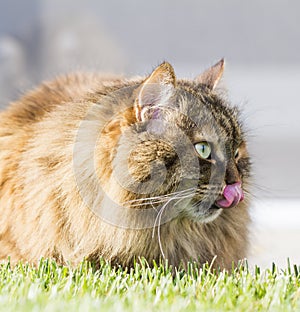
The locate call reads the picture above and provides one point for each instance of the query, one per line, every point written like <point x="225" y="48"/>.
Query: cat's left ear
<point x="155" y="91"/>
<point x="212" y="76"/>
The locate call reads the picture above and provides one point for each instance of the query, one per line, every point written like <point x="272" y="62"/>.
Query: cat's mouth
<point x="232" y="195"/>
<point x="214" y="207"/>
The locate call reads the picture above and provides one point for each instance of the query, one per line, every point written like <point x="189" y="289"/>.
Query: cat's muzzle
<point x="232" y="195"/>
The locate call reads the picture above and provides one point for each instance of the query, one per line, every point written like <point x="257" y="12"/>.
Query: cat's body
<point x="50" y="203"/>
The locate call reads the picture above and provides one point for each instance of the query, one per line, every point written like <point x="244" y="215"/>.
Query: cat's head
<point x="185" y="151"/>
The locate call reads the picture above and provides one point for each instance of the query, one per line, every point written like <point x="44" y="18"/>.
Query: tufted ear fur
<point x="155" y="91"/>
<point x="211" y="76"/>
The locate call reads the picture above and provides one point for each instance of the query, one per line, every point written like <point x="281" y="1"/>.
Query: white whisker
<point x="158" y="228"/>
<point x="159" y="197"/>
<point x="159" y="216"/>
<point x="153" y="206"/>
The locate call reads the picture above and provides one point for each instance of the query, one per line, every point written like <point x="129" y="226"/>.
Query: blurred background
<point x="259" y="39"/>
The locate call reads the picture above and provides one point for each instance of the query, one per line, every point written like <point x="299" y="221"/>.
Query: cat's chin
<point x="205" y="216"/>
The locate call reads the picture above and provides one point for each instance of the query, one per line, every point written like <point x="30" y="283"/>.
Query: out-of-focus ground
<point x="259" y="39"/>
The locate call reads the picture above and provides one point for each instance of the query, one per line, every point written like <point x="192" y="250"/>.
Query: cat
<point x="98" y="166"/>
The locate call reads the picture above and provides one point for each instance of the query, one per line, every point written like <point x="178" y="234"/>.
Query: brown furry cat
<point x="94" y="166"/>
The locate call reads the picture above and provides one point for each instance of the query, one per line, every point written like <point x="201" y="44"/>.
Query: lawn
<point x="50" y="287"/>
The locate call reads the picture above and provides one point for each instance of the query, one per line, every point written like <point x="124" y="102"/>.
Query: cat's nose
<point x="232" y="195"/>
<point x="232" y="173"/>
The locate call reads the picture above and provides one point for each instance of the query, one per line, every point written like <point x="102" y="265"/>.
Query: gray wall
<point x="260" y="40"/>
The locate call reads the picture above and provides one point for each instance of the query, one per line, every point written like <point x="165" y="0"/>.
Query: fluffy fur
<point x="73" y="146"/>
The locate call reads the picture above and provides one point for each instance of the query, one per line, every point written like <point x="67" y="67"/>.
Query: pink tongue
<point x="233" y="194"/>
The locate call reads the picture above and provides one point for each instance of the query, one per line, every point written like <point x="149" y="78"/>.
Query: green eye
<point x="203" y="149"/>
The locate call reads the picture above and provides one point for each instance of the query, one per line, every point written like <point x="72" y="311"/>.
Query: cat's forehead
<point x="206" y="115"/>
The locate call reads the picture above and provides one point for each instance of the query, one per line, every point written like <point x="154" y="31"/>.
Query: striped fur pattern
<point x="75" y="147"/>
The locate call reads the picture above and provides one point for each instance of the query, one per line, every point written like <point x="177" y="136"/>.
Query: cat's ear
<point x="211" y="76"/>
<point x="155" y="91"/>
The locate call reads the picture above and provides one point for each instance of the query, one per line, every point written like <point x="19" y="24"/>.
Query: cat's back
<point x="21" y="119"/>
<point x="65" y="89"/>
<point x="31" y="128"/>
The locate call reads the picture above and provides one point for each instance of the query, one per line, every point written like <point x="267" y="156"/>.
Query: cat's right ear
<point x="155" y="91"/>
<point x="212" y="76"/>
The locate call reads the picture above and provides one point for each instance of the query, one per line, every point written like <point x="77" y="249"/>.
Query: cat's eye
<point x="203" y="149"/>
<point x="237" y="152"/>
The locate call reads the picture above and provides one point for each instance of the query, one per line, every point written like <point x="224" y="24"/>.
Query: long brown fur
<point x="43" y="212"/>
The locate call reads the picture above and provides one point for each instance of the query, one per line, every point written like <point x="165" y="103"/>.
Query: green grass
<point x="50" y="287"/>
